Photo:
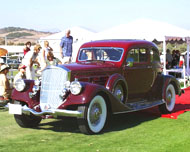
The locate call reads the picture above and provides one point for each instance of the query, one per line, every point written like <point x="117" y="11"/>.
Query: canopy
<point x="80" y="35"/>
<point x="143" y="29"/>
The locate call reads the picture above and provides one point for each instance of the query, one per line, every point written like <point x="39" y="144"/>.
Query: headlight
<point x="20" y="85"/>
<point x="75" y="87"/>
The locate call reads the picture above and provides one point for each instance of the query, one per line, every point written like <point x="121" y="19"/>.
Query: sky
<point x="96" y="15"/>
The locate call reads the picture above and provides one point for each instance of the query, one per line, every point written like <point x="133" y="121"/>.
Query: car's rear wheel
<point x="95" y="115"/>
<point x="169" y="104"/>
<point x="119" y="92"/>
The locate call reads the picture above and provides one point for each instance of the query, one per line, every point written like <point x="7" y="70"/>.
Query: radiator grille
<point x="53" y="79"/>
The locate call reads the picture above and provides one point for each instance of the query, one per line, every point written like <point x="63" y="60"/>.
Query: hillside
<point x="19" y="36"/>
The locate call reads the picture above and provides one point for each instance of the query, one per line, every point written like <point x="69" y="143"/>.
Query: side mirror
<point x="129" y="64"/>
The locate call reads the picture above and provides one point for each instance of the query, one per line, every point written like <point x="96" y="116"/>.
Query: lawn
<point x="132" y="132"/>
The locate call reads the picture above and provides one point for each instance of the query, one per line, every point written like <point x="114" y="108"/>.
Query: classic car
<point x="108" y="77"/>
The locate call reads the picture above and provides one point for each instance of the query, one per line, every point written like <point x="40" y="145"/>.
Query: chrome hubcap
<point x="95" y="114"/>
<point x="169" y="97"/>
<point x="119" y="93"/>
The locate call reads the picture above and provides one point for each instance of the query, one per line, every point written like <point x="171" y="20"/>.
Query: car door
<point x="138" y="72"/>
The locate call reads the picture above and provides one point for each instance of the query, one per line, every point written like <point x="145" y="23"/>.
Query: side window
<point x="137" y="55"/>
<point x="143" y="55"/>
<point x="155" y="57"/>
<point x="132" y="56"/>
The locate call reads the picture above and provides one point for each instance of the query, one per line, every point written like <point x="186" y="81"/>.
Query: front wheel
<point x="27" y="121"/>
<point x="95" y="115"/>
<point x="169" y="104"/>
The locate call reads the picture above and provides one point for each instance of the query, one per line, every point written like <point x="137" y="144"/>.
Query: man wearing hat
<point x="5" y="89"/>
<point x="21" y="74"/>
<point x="29" y="59"/>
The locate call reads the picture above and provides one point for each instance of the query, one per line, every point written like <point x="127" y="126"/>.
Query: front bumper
<point x="54" y="112"/>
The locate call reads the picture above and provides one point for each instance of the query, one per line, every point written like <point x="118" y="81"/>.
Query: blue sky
<point x="96" y="15"/>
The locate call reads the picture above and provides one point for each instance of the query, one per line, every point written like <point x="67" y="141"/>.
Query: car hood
<point x="89" y="66"/>
<point x="90" y="69"/>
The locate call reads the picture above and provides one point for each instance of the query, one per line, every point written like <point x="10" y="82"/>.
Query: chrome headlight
<point x="75" y="87"/>
<point x="20" y="85"/>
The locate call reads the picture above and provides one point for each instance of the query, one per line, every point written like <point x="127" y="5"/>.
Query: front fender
<point x="23" y="96"/>
<point x="89" y="91"/>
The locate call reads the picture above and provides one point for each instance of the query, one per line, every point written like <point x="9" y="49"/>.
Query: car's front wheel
<point x="27" y="121"/>
<point x="95" y="115"/>
<point x="169" y="104"/>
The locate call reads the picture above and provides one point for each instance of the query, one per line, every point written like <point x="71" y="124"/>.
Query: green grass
<point x="133" y="132"/>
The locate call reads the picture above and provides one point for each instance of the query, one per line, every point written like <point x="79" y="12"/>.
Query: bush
<point x="18" y="35"/>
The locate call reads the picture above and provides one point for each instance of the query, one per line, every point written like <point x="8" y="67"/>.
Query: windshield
<point x="103" y="54"/>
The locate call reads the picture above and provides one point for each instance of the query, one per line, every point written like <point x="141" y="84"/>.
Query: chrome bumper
<point x="53" y="112"/>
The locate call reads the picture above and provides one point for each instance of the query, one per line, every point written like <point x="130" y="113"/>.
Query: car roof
<point x="117" y="43"/>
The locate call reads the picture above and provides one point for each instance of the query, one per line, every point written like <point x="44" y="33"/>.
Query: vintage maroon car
<point x="109" y="77"/>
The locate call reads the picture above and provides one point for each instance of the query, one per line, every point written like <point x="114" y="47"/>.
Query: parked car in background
<point x="109" y="77"/>
<point x="13" y="63"/>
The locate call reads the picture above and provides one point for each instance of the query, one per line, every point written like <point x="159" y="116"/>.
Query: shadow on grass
<point x="128" y="120"/>
<point x="60" y="125"/>
<point x="115" y="123"/>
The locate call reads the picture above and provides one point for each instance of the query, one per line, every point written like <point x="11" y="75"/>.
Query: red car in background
<point x="109" y="77"/>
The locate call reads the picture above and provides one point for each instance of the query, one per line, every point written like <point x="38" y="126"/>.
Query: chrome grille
<point x="53" y="79"/>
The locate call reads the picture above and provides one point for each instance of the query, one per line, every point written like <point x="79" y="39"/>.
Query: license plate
<point x="15" y="109"/>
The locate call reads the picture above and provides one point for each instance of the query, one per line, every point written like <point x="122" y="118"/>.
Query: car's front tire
<point x="169" y="104"/>
<point x="95" y="115"/>
<point x="27" y="121"/>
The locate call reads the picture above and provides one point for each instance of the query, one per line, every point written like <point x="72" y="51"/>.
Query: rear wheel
<point x="95" y="115"/>
<point x="119" y="92"/>
<point x="169" y="104"/>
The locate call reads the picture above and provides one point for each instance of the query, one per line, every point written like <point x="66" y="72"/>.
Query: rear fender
<point x="113" y="80"/>
<point x="168" y="79"/>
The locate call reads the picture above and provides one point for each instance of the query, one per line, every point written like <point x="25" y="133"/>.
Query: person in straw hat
<point x="29" y="59"/>
<point x="5" y="89"/>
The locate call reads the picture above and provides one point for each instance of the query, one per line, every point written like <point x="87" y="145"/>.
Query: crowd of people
<point x="31" y="59"/>
<point x="172" y="60"/>
<point x="175" y="59"/>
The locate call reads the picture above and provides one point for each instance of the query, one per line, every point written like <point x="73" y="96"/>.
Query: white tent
<point x="143" y="29"/>
<point x="80" y="35"/>
<point x="148" y="30"/>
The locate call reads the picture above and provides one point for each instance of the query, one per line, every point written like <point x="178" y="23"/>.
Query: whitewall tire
<point x="95" y="116"/>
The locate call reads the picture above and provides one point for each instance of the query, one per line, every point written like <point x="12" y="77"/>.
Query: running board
<point x="140" y="105"/>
